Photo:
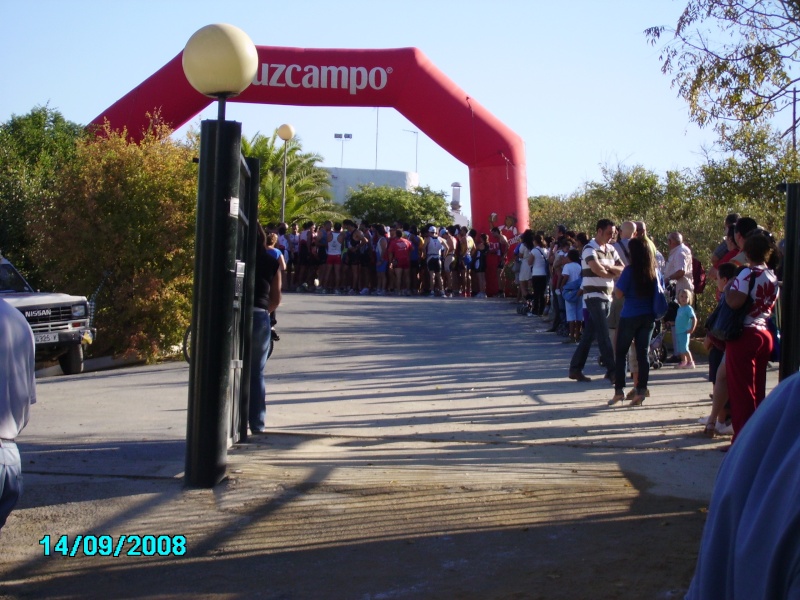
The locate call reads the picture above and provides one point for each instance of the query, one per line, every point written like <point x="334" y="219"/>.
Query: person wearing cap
<point x="434" y="249"/>
<point x="17" y="393"/>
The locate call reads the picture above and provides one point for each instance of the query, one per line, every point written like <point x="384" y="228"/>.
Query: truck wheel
<point x="72" y="362"/>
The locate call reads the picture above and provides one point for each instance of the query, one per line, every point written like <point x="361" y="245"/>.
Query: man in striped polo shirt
<point x="600" y="265"/>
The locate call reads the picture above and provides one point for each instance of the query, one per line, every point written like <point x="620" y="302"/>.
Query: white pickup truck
<point x="60" y="322"/>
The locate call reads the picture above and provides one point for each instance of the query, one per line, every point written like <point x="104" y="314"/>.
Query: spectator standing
<point x="641" y="232"/>
<point x="558" y="259"/>
<point x="747" y="356"/>
<point x="679" y="263"/>
<point x="626" y="231"/>
<point x="744" y="227"/>
<point x="600" y="265"/>
<point x="539" y="271"/>
<point x="570" y="273"/>
<point x="718" y="256"/>
<point x="17" y="393"/>
<point x="636" y="286"/>
<point x="679" y="271"/>
<point x="685" y="323"/>
<point x="526" y="259"/>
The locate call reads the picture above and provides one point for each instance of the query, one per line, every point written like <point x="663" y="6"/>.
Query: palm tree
<point x="308" y="196"/>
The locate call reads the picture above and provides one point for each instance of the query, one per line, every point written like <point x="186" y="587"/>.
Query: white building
<point x="345" y="180"/>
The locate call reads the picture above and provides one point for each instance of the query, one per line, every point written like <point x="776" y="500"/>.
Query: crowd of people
<point x="401" y="259"/>
<point x="602" y="289"/>
<point x="589" y="289"/>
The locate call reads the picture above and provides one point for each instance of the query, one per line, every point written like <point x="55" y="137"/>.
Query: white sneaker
<point x="702" y="420"/>
<point x="723" y="429"/>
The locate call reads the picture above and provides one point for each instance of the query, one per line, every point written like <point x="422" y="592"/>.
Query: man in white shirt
<point x="679" y="270"/>
<point x="17" y="393"/>
<point x="679" y="264"/>
<point x="600" y="266"/>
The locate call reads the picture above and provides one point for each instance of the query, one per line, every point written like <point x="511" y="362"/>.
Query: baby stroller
<point x="657" y="352"/>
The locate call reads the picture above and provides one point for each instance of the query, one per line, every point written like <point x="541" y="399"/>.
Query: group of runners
<point x="401" y="259"/>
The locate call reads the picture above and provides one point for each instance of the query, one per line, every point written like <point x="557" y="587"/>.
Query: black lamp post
<point x="790" y="292"/>
<point x="219" y="61"/>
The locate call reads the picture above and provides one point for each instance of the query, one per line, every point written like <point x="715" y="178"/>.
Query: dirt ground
<point x="253" y="539"/>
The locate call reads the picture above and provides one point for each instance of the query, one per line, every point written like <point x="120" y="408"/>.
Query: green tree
<point x="742" y="172"/>
<point x="386" y="204"/>
<point x="733" y="60"/>
<point x="125" y="213"/>
<point x="33" y="149"/>
<point x="624" y="193"/>
<point x="308" y="196"/>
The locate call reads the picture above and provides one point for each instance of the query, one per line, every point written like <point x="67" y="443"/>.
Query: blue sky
<point x="575" y="79"/>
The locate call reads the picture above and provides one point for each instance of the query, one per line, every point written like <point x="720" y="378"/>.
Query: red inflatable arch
<point x="402" y="78"/>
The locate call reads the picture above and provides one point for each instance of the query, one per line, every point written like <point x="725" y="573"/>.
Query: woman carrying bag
<point x="746" y="357"/>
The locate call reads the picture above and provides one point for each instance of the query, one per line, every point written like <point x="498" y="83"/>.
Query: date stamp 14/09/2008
<point x="109" y="545"/>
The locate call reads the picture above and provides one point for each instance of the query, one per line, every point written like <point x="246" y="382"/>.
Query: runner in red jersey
<point x="400" y="258"/>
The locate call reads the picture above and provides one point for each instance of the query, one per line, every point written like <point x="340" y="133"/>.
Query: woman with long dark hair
<point x="637" y="285"/>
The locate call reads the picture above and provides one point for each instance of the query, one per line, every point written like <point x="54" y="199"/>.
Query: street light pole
<point x="343" y="137"/>
<point x="219" y="61"/>
<point x="416" y="149"/>
<point x="285" y="132"/>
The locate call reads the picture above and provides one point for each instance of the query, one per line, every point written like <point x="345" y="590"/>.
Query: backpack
<point x="571" y="289"/>
<point x="698" y="276"/>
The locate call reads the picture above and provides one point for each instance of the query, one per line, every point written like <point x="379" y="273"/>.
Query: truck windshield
<point x="11" y="281"/>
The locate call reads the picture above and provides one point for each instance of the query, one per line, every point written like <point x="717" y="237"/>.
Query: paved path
<point x="392" y="421"/>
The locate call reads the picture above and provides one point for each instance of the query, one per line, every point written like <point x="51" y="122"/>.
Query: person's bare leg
<point x="719" y="401"/>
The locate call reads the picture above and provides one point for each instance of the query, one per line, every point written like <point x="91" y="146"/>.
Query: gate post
<point x="790" y="292"/>
<point x="212" y="305"/>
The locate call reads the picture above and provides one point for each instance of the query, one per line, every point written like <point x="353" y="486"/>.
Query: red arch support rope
<point x="402" y="78"/>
